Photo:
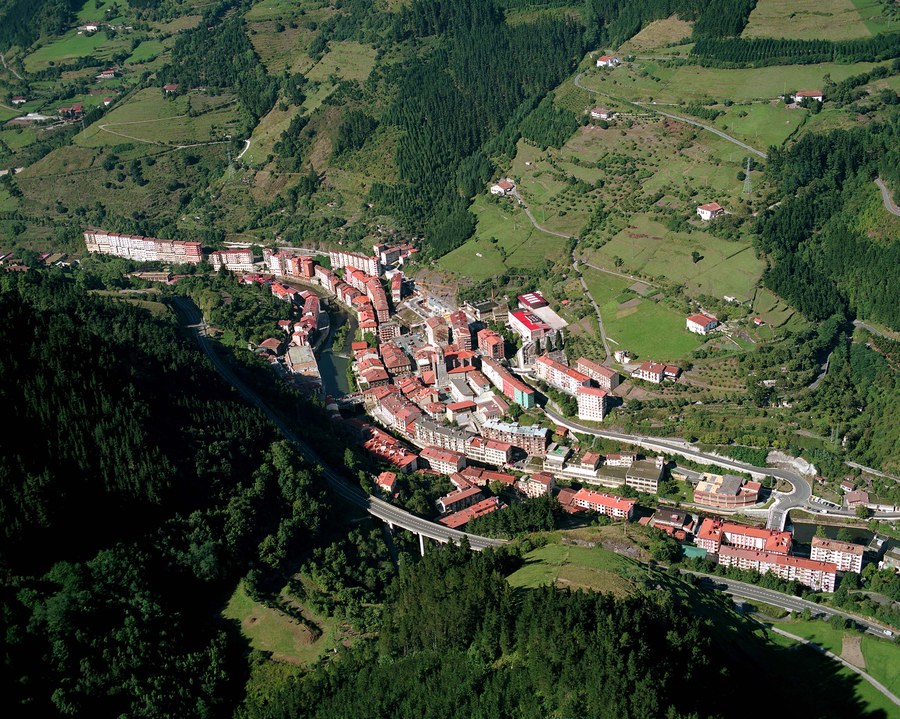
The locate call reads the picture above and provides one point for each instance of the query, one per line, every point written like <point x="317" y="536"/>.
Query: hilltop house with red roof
<point x="503" y="187"/>
<point x="802" y="95"/>
<point x="710" y="211"/>
<point x="608" y="61"/>
<point x="18" y="100"/>
<point x="701" y="324"/>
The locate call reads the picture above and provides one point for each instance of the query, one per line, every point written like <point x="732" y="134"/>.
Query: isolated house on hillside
<point x="710" y="210"/>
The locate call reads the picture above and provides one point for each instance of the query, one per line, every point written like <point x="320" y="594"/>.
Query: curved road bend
<point x="887" y="198"/>
<point x="348" y="491"/>
<point x="796" y="498"/>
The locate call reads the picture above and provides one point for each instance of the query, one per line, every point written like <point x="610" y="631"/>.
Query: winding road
<point x="344" y="488"/>
<point x="652" y="107"/>
<point x="887" y="197"/>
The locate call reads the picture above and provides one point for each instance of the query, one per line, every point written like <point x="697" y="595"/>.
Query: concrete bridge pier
<point x="422" y="544"/>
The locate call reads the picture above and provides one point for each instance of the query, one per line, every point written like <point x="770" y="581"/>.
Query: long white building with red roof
<point x="142" y="249"/>
<point x="615" y="507"/>
<point x="558" y="375"/>
<point x="817" y="575"/>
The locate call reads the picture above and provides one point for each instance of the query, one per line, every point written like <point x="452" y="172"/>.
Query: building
<point x="726" y="492"/>
<point x="488" y="451"/>
<point x="170" y="88"/>
<point x="443" y="461"/>
<point x="559" y="376"/>
<point x="701" y="324"/>
<point x="19" y="100"/>
<point x="808" y="95"/>
<point x="710" y="211"/>
<point x="531" y="301"/>
<point x="819" y="576"/>
<point x="462" y="333"/>
<point x="301" y="362"/>
<point x="503" y="187"/>
<point x="511" y="386"/>
<point x="666" y="517"/>
<point x="620" y="459"/>
<point x="650" y="371"/>
<point x="387" y="481"/>
<point x="459" y="499"/>
<point x="608" y="61"/>
<point x="605" y="377"/>
<point x="236" y="260"/>
<point x="142" y="249"/>
<point x="644" y="475"/>
<point x="437" y="331"/>
<point x="531" y="439"/>
<point x="429" y="432"/>
<point x="369" y="265"/>
<point x="538" y="484"/>
<point x="592" y="403"/>
<point x="601" y="113"/>
<point x="106" y="75"/>
<point x="491" y="344"/>
<point x="847" y="556"/>
<point x="464" y="516"/>
<point x="615" y="507"/>
<point x="527" y="325"/>
<point x="716" y="533"/>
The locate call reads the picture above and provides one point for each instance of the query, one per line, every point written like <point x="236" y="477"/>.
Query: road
<point x="651" y="107"/>
<point x="831" y="655"/>
<point x="887" y="197"/>
<point x="341" y="486"/>
<point x="246" y="147"/>
<point x="895" y="336"/>
<point x="9" y="67"/>
<point x="798" y="497"/>
<point x="791" y="603"/>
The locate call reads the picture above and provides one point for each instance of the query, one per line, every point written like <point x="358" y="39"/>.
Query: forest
<point x="823" y="264"/>
<point x="759" y="52"/>
<point x="137" y="489"/>
<point x="24" y="21"/>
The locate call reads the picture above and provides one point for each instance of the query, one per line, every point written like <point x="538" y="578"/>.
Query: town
<point x="442" y="396"/>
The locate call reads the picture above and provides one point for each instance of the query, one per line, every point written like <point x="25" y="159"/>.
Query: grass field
<point x="578" y="568"/>
<point x="806" y="20"/>
<point x="772" y="309"/>
<point x="873" y="15"/>
<point x="272" y="631"/>
<point x="882" y="656"/>
<point x="651" y="81"/>
<point x="518" y="244"/>
<point x="272" y="10"/>
<point x="347" y="59"/>
<point x="72" y="46"/>
<point x="648" y="248"/>
<point x="761" y="125"/>
<point x="647" y="329"/>
<point x="267" y="133"/>
<point x="149" y="118"/>
<point x="658" y="34"/>
<point x="145" y="51"/>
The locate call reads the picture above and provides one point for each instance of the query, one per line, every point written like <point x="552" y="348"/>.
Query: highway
<point x="342" y="487"/>
<point x="742" y="590"/>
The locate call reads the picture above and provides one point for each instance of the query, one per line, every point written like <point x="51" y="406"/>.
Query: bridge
<point x="344" y="488"/>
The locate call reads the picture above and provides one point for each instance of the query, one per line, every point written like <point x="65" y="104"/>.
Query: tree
<point x="696" y="256"/>
<point x="862" y="512"/>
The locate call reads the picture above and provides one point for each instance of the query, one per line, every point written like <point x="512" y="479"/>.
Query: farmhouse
<point x="601" y="113"/>
<point x="650" y="372"/>
<point x="106" y="75"/>
<point x="710" y="211"/>
<point x="608" y="61"/>
<point x="170" y="88"/>
<point x="18" y="100"/>
<point x="802" y="95"/>
<point x="503" y="187"/>
<point x="701" y="324"/>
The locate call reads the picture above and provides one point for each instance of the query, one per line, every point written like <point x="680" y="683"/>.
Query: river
<point x="333" y="364"/>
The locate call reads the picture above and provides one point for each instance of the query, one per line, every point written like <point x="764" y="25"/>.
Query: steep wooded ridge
<point x="136" y="490"/>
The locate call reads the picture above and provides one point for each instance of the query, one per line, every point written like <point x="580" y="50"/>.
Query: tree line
<point x="758" y="52"/>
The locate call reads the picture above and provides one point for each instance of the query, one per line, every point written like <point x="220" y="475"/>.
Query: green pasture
<point x="148" y="117"/>
<point x="647" y="81"/>
<point x="272" y="10"/>
<point x="72" y="45"/>
<point x="8" y="113"/>
<point x="648" y="329"/>
<point x="145" y="51"/>
<point x="761" y="125"/>
<point x="772" y="309"/>
<point x="267" y="133"/>
<point x="347" y="59"/>
<point x="873" y="15"/>
<point x="806" y="20"/>
<point x="578" y="567"/>
<point x="647" y="248"/>
<point x="882" y="656"/>
<point x="524" y="246"/>
<point x="269" y="630"/>
<point x="8" y="203"/>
